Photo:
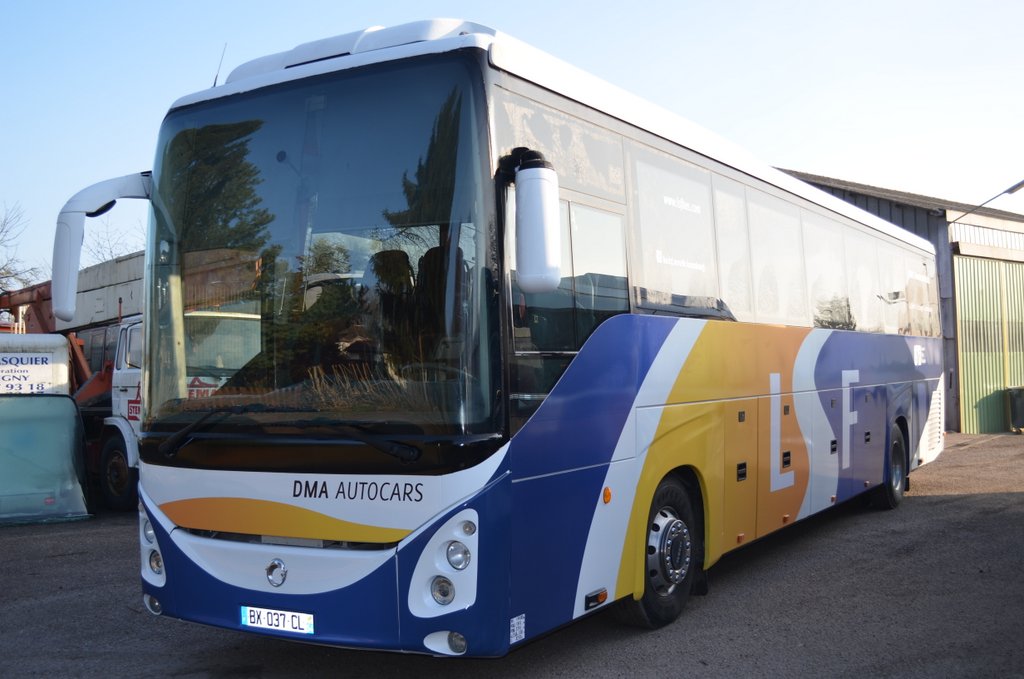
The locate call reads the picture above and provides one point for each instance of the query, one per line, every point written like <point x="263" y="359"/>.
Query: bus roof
<point x="378" y="44"/>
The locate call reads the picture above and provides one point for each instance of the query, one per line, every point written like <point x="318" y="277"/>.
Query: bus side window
<point x="599" y="267"/>
<point x="826" y="273"/>
<point x="593" y="286"/>
<point x="544" y="320"/>
<point x="548" y="328"/>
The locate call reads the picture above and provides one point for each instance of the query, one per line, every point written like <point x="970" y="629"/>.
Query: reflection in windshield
<point x="322" y="246"/>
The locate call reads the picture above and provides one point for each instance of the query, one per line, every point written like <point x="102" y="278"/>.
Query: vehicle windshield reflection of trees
<point x="361" y="316"/>
<point x="386" y="355"/>
<point x="210" y="191"/>
<point x="206" y="202"/>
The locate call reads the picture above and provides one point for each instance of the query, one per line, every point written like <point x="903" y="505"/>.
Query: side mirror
<point x="538" y="229"/>
<point x="67" y="243"/>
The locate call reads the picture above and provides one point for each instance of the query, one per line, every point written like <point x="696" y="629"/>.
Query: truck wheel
<point x="118" y="479"/>
<point x="672" y="557"/>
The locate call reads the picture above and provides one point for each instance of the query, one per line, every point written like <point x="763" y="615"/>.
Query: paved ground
<point x="933" y="589"/>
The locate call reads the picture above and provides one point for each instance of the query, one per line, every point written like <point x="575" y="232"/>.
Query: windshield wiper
<point x="358" y="432"/>
<point x="170" y="446"/>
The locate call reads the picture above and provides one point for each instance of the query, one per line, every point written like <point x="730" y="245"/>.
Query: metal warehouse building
<point x="980" y="263"/>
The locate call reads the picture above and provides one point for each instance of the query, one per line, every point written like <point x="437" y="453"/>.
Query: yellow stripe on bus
<point x="728" y="370"/>
<point x="263" y="517"/>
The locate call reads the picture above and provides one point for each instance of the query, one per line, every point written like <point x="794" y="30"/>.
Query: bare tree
<point x="104" y="242"/>
<point x="14" y="273"/>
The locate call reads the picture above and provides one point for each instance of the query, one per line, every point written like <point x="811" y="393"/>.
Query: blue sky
<point x="924" y="96"/>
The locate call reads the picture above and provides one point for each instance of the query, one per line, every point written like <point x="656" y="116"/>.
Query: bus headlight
<point x="458" y="555"/>
<point x="442" y="589"/>
<point x="148" y="532"/>
<point x="156" y="562"/>
<point x="448" y="562"/>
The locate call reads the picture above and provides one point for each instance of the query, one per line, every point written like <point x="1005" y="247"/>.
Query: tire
<point x="890" y="494"/>
<point x="118" y="480"/>
<point x="673" y="554"/>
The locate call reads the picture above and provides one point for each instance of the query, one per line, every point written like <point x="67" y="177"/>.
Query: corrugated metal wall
<point x="990" y="329"/>
<point x="1015" y="321"/>
<point x="980" y="235"/>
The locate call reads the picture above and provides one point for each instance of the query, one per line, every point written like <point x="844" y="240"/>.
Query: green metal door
<point x="990" y="338"/>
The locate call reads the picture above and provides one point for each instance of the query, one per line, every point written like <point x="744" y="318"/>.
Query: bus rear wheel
<point x="890" y="494"/>
<point x="672" y="557"/>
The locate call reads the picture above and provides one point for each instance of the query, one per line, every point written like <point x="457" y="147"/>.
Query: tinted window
<point x="593" y="286"/>
<point x="921" y="297"/>
<point x="862" y="280"/>
<point x="733" y="246"/>
<point x="892" y="275"/>
<point x="826" y="274"/>
<point x="548" y="327"/>
<point x="676" y="248"/>
<point x="778" y="267"/>
<point x="599" y="268"/>
<point x="343" y="221"/>
<point x="588" y="158"/>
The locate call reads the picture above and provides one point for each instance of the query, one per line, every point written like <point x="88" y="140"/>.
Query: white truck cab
<point x="119" y="459"/>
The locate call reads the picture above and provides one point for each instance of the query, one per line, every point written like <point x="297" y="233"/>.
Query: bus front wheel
<point x="672" y="557"/>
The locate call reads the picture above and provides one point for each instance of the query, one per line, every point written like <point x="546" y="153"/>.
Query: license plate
<point x="281" y="621"/>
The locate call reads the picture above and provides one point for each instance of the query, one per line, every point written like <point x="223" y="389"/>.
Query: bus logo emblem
<point x="276" y="573"/>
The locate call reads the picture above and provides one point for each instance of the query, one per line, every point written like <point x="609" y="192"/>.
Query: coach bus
<point x="527" y="348"/>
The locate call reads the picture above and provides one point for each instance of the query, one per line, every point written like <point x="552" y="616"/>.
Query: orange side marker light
<point x="595" y="599"/>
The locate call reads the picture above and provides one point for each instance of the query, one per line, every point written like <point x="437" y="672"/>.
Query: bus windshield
<point x="321" y="250"/>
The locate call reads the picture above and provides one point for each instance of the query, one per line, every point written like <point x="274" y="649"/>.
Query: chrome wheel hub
<point x="669" y="551"/>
